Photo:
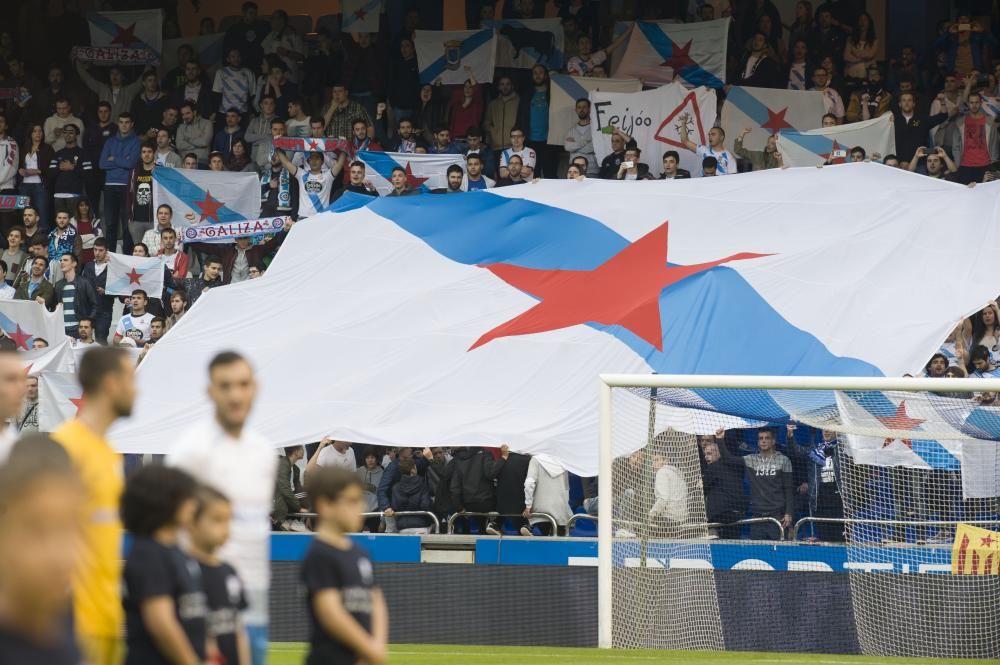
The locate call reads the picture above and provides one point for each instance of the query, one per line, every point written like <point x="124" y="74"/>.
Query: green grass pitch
<point x="289" y="653"/>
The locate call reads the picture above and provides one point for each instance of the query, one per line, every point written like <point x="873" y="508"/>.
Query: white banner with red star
<point x="59" y="398"/>
<point x="128" y="273"/>
<point x="130" y="30"/>
<point x="651" y="118"/>
<point x="206" y="197"/>
<point x="360" y="15"/>
<point x="691" y="53"/>
<point x="768" y="111"/>
<point x="26" y="321"/>
<point x="833" y="144"/>
<point x="423" y="172"/>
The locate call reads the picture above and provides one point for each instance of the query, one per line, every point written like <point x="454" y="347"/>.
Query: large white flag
<point x="566" y="90"/>
<point x="692" y="53"/>
<point x="444" y="55"/>
<point x="58" y="357"/>
<point x="651" y="118"/>
<point x="524" y="43"/>
<point x="198" y="197"/>
<point x="423" y="172"/>
<point x="769" y="111"/>
<point x="816" y="146"/>
<point x="485" y="318"/>
<point x="128" y="273"/>
<point x="25" y="321"/>
<point x="139" y="29"/>
<point x="59" y="398"/>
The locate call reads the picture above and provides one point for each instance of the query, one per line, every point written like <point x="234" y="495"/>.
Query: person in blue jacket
<point x="118" y="157"/>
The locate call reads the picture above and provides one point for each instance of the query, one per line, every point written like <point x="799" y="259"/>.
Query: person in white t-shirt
<point x="333" y="453"/>
<point x="726" y="161"/>
<point x="136" y="325"/>
<point x="585" y="63"/>
<point x="579" y="141"/>
<point x="224" y="453"/>
<point x="314" y="185"/>
<point x="518" y="148"/>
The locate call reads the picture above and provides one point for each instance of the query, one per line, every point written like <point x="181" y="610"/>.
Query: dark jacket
<point x="642" y="172"/>
<point x="765" y="74"/>
<point x="104" y="303"/>
<point x="610" y="164"/>
<point x="411" y="493"/>
<point x="226" y="252"/>
<point x="682" y="174"/>
<point x="286" y="484"/>
<point x="913" y="134"/>
<point x="472" y="481"/>
<point x="45" y="154"/>
<point x="85" y="297"/>
<point x="510" y="483"/>
<point x="391" y="477"/>
<point x="199" y="284"/>
<point x="404" y="83"/>
<point x="439" y="473"/>
<point x="45" y="291"/>
<point x="722" y="482"/>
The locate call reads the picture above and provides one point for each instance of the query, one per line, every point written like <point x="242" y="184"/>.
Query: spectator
<point x="579" y="141"/>
<point x="411" y="494"/>
<point x="511" y="472"/>
<point x="63" y="238"/>
<point x="586" y="60"/>
<point x="533" y="118"/>
<point x="275" y="83"/>
<point x="287" y="485"/>
<point x="906" y="69"/>
<point x="465" y="109"/>
<point x="148" y="105"/>
<point x="370" y="474"/>
<point x="980" y="329"/>
<point x="136" y="325"/>
<point x="966" y="45"/>
<point x="27" y="420"/>
<point x="279" y="191"/>
<point x="870" y="99"/>
<point x="823" y="480"/>
<point x="178" y="308"/>
<point x="76" y="293"/>
<point x="472" y="483"/>
<point x="611" y="162"/>
<point x="455" y="176"/>
<point x="669" y="512"/>
<point x="53" y="130"/>
<point x="247" y="35"/>
<point x="323" y="68"/>
<point x="980" y="365"/>
<point x="474" y="145"/>
<point x="342" y="113"/>
<point x="6" y="290"/>
<point x="87" y="227"/>
<point x="175" y="78"/>
<point x="71" y="167"/>
<point x="797" y="71"/>
<point x="285" y="42"/>
<point x="234" y="84"/>
<point x="709" y="166"/>
<point x="722" y="483"/>
<point x="725" y="161"/>
<point x="400" y="183"/>
<point x="8" y="167"/>
<point x="229" y="134"/>
<point x="141" y="197"/>
<point x="631" y="168"/>
<point x="35" y="157"/>
<point x="333" y="453"/>
<point x="364" y="69"/>
<point x="832" y="101"/>
<point x="769" y="474"/>
<point x="164" y="220"/>
<point x="315" y="184"/>
<point x="331" y="159"/>
<point x="258" y="133"/>
<point x="827" y="39"/>
<point x="801" y="28"/>
<point x="525" y="155"/>
<point x="938" y="164"/>
<point x="14" y="255"/>
<point x="768" y="158"/>
<point x="35" y="286"/>
<point x="975" y="141"/>
<point x="430" y="111"/>
<point x="116" y="93"/>
<point x="86" y="334"/>
<point x="391" y="476"/>
<point x="405" y="140"/>
<point x="861" y="48"/>
<point x="671" y="160"/>
<point x="404" y="81"/>
<point x="358" y="183"/>
<point x="475" y="179"/>
<point x="239" y="160"/>
<point x="298" y="122"/>
<point x="515" y="175"/>
<point x="118" y="158"/>
<point x="195" y="133"/>
<point x="501" y="115"/>
<point x="165" y="154"/>
<point x="443" y="144"/>
<point x="757" y="67"/>
<point x="97" y="272"/>
<point x="237" y="257"/>
<point x="546" y="490"/>
<point x="911" y="128"/>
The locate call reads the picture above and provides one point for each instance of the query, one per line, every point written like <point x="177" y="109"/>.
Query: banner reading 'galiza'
<point x="651" y="118"/>
<point x="833" y="144"/>
<point x="692" y="53"/>
<point x="566" y="90"/>
<point x="445" y="55"/>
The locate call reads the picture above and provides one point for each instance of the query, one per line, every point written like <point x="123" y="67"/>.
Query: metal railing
<point x="711" y="525"/>
<point x="434" y="525"/>
<point x="579" y="516"/>
<point x="494" y="515"/>
<point x="917" y="523"/>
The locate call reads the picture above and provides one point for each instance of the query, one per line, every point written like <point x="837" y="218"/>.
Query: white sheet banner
<point x="816" y="146"/>
<point x="566" y="90"/>
<point x="692" y="53"/>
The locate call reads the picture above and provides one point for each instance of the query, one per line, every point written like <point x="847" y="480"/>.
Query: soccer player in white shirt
<point x="314" y="184"/>
<point x="518" y="148"/>
<point x="715" y="148"/>
<point x="224" y="453"/>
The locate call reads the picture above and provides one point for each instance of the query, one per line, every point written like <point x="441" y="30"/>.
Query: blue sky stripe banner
<point x="692" y="53"/>
<point x="360" y="15"/>
<point x="199" y="197"/>
<point x="816" y="146"/>
<point x="423" y="172"/>
<point x="522" y="44"/>
<point x="768" y="111"/>
<point x="445" y="54"/>
<point x="129" y="29"/>
<point x="564" y="92"/>
<point x="491" y="313"/>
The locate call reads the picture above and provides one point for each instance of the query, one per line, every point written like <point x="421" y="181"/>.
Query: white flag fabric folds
<point x="59" y="398"/>
<point x="768" y="111"/>
<point x="566" y="90"/>
<point x="691" y="53"/>
<point x="445" y="54"/>
<point x="25" y="321"/>
<point x="128" y="273"/>
<point x="423" y="172"/>
<point x="816" y="146"/>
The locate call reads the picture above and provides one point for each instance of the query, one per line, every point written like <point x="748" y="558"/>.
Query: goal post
<point x="904" y="495"/>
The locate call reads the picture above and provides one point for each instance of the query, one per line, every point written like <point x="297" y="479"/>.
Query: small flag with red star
<point x="423" y="172"/>
<point x="833" y="144"/>
<point x="59" y="399"/>
<point x="128" y="273"/>
<point x="767" y="112"/>
<point x="25" y="321"/>
<point x="128" y="30"/>
<point x="207" y="197"/>
<point x="975" y="551"/>
<point x="360" y="15"/>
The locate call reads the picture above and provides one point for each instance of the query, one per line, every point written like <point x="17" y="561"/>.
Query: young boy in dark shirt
<point x="348" y="616"/>
<point x="227" y="638"/>
<point x="163" y="598"/>
<point x="41" y="527"/>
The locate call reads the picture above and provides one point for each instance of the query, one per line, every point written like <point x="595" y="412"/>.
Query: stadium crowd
<point x="82" y="142"/>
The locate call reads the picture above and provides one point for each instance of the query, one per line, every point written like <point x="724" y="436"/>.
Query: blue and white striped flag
<point x="208" y="49"/>
<point x="444" y="55"/>
<point x="141" y="29"/>
<point x="768" y="111"/>
<point x="199" y="197"/>
<point x="423" y="172"/>
<point x="128" y="273"/>
<point x="692" y="53"/>
<point x="816" y="146"/>
<point x="564" y="92"/>
<point x="360" y="15"/>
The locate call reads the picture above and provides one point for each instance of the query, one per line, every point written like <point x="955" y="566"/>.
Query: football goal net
<point x="800" y="514"/>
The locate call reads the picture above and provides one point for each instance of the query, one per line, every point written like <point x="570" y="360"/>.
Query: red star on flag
<point x="412" y="180"/>
<point x="209" y="207"/>
<point x="900" y="420"/>
<point x="693" y="109"/>
<point x="134" y="277"/>
<point x="21" y="338"/>
<point x="986" y="542"/>
<point x="125" y="36"/>
<point x="77" y="402"/>
<point x="834" y="160"/>
<point x="776" y="121"/>
<point x="361" y="13"/>
<point x="624" y="291"/>
<point x="679" y="56"/>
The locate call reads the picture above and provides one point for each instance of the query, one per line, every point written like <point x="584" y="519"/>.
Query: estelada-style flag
<point x="140" y="29"/>
<point x="692" y="53"/>
<point x="975" y="551"/>
<point x="202" y="197"/>
<point x="128" y="273"/>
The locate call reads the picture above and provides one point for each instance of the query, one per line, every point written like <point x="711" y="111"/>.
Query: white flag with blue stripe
<point x="207" y="47"/>
<point x="360" y="15"/>
<point x="524" y="43"/>
<point x="444" y="55"/>
<point x="140" y="29"/>
<point x="128" y="273"/>
<point x="199" y="197"/>
<point x="564" y="92"/>
<point x="692" y="53"/>
<point x="423" y="172"/>
<point x="25" y="321"/>
<point x="769" y="111"/>
<point x="833" y="144"/>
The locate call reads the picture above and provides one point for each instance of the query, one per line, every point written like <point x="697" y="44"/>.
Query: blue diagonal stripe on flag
<point x="929" y="450"/>
<point x="693" y="74"/>
<point x="570" y="86"/>
<point x="175" y="182"/>
<point x="383" y="164"/>
<point x="349" y="19"/>
<point x="433" y="70"/>
<point x="104" y="24"/>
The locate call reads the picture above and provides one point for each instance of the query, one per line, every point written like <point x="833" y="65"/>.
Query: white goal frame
<point x="609" y="381"/>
